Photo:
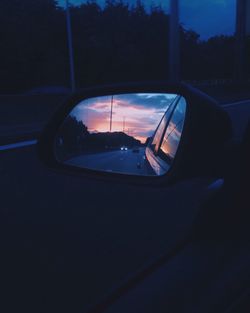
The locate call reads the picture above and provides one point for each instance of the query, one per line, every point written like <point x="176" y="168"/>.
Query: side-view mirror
<point x="110" y="133"/>
<point x="155" y="131"/>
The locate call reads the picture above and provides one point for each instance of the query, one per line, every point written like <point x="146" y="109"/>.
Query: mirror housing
<point x="206" y="131"/>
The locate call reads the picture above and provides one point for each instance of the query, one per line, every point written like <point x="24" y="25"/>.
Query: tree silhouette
<point x="114" y="43"/>
<point x="70" y="137"/>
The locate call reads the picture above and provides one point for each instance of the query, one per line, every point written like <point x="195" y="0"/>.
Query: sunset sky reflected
<point x="137" y="115"/>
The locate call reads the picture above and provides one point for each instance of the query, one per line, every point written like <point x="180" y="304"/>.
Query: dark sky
<point x="206" y="17"/>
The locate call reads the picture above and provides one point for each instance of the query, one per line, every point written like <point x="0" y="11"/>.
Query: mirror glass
<point x="135" y="134"/>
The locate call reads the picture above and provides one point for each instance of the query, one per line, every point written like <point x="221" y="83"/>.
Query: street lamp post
<point x="124" y="124"/>
<point x="70" y="47"/>
<point x="174" y="42"/>
<point x="111" y="113"/>
<point x="240" y="34"/>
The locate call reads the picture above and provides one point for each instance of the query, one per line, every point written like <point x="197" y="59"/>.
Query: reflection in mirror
<point x="135" y="134"/>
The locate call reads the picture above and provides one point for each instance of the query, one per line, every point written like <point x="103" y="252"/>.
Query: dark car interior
<point x="125" y="156"/>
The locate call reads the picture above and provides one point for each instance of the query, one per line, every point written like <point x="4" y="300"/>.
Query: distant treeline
<point x="114" y="43"/>
<point x="73" y="139"/>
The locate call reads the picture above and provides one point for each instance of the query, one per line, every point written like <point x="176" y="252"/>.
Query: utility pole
<point x="240" y="42"/>
<point x="248" y="18"/>
<point x="174" y="42"/>
<point x="111" y="113"/>
<point x="124" y="124"/>
<point x="70" y="47"/>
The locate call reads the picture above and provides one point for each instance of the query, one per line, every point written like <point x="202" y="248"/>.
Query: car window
<point x="44" y="52"/>
<point x="173" y="132"/>
<point x="160" y="129"/>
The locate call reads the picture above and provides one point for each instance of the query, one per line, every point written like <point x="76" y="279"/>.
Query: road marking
<point x="18" y="145"/>
<point x="236" y="103"/>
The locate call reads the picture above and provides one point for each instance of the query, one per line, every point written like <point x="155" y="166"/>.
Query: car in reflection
<point x="124" y="148"/>
<point x="162" y="147"/>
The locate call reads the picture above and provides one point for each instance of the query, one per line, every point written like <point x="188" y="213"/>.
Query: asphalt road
<point x="115" y="161"/>
<point x="67" y="241"/>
